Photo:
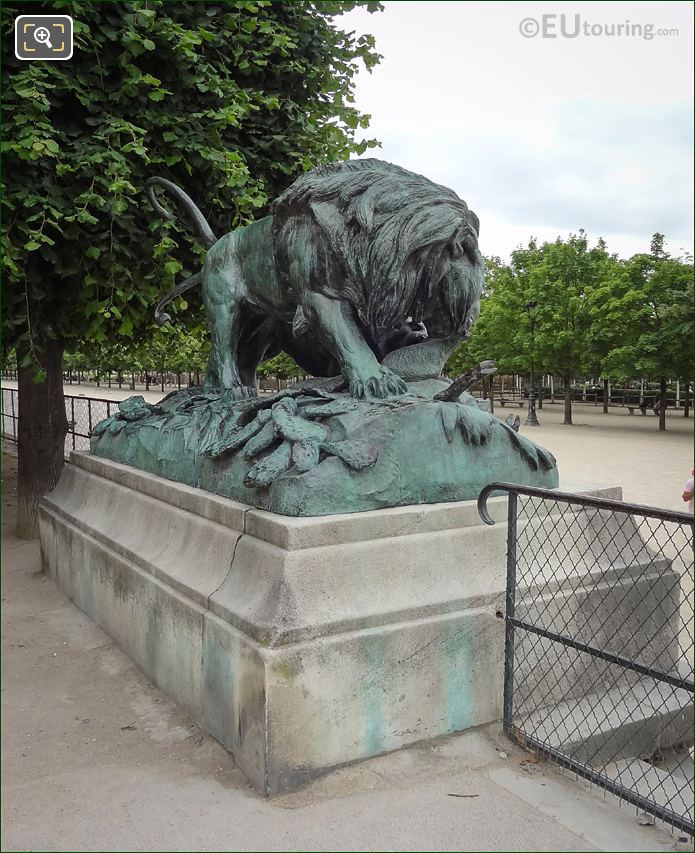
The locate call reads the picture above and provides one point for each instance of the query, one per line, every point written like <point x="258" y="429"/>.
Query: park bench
<point x="503" y="400"/>
<point x="654" y="407"/>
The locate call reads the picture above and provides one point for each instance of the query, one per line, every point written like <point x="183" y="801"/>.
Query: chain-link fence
<point x="83" y="413"/>
<point x="599" y="643"/>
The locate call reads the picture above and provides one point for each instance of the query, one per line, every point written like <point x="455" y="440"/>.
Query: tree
<point x="651" y="303"/>
<point x="229" y="100"/>
<point x="535" y="315"/>
<point x="490" y="336"/>
<point x="608" y="302"/>
<point x="281" y="366"/>
<point x="568" y="271"/>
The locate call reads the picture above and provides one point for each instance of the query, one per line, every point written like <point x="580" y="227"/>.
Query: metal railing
<point x="82" y="414"/>
<point x="599" y="642"/>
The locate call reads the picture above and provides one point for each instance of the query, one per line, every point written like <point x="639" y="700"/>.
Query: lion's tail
<point x="199" y="221"/>
<point x="161" y="318"/>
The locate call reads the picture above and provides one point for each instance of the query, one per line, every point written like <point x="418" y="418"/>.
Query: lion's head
<point x="392" y="243"/>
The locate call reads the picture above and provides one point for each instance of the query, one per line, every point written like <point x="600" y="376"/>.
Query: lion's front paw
<point x="238" y="392"/>
<point x="231" y="394"/>
<point x="385" y="384"/>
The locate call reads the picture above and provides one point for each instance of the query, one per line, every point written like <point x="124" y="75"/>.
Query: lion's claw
<point x="387" y="384"/>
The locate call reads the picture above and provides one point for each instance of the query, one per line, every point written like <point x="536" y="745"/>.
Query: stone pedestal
<point x="299" y="643"/>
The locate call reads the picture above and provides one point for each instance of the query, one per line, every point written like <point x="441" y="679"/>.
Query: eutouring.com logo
<point x="553" y="26"/>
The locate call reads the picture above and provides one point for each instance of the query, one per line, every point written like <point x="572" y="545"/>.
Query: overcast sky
<point x="541" y="136"/>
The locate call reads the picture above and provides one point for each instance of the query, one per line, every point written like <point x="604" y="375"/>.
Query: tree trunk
<point x="605" y="396"/>
<point x="686" y="401"/>
<point x="41" y="435"/>
<point x="568" y="399"/>
<point x="662" y="404"/>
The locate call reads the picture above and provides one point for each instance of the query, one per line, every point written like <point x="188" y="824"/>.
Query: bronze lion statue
<point x="356" y="260"/>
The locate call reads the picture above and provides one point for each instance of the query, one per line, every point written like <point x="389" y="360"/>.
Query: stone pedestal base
<point x="299" y="643"/>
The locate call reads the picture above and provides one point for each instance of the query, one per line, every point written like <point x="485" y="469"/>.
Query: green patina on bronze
<point x="368" y="275"/>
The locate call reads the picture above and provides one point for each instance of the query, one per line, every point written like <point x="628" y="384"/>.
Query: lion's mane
<point x="374" y="234"/>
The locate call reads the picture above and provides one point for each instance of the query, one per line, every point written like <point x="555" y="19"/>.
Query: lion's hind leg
<point x="223" y="293"/>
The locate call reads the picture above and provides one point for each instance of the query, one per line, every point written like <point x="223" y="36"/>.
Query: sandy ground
<point x="95" y="757"/>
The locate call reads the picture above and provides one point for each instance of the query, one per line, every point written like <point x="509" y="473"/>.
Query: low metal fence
<point x="599" y="643"/>
<point x="83" y="413"/>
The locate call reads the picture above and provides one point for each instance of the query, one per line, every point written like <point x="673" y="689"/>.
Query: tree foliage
<point x="229" y="100"/>
<point x="281" y="366"/>
<point x="572" y="309"/>
<point x="648" y="308"/>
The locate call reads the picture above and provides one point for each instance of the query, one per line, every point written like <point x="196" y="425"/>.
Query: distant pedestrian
<point x="689" y="491"/>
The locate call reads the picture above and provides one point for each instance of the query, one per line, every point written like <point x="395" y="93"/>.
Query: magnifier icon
<point x="42" y="36"/>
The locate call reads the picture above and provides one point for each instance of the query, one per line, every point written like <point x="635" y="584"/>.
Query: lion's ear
<point x="464" y="241"/>
<point x="456" y="247"/>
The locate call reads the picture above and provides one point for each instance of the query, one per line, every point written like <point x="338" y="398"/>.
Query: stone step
<point x="670" y="789"/>
<point x="630" y="720"/>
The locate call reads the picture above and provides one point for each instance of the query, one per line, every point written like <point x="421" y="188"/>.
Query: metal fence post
<point x="14" y="417"/>
<point x="510" y="604"/>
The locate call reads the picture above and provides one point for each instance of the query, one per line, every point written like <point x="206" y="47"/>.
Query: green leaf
<point x="126" y="327"/>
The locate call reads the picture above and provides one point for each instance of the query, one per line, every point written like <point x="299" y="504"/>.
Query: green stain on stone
<point x="456" y="662"/>
<point x="288" y="669"/>
<point x="120" y="585"/>
<point x="373" y="698"/>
